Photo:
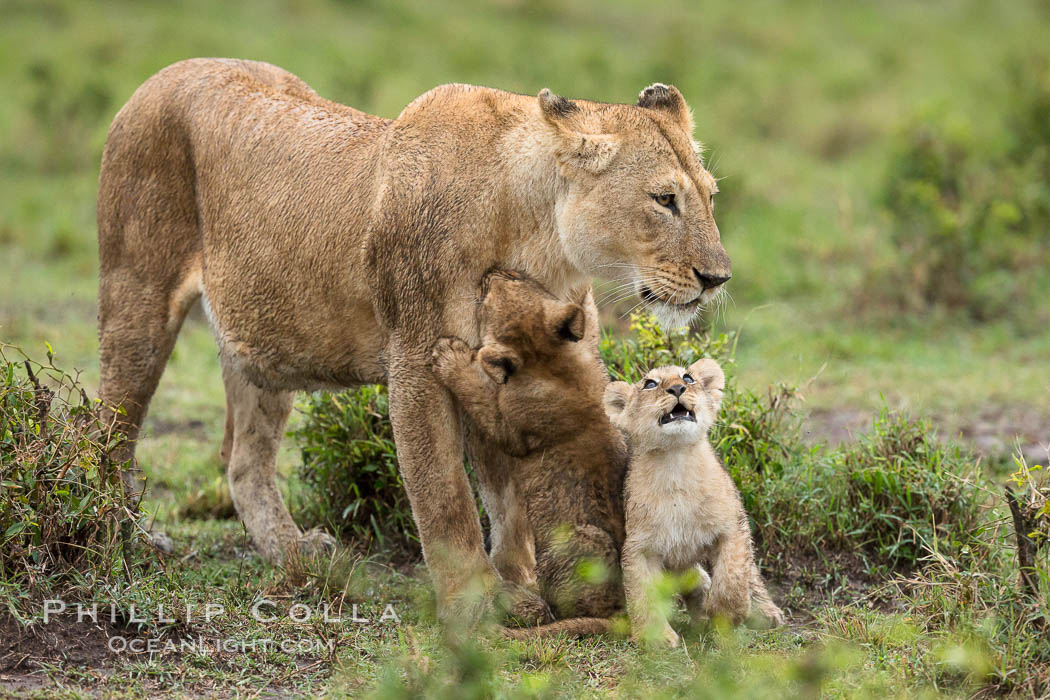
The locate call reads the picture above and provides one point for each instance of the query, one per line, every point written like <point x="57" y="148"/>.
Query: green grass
<point x="800" y="106"/>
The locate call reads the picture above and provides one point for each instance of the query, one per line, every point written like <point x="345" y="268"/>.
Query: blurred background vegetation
<point x="884" y="167"/>
<point x="885" y="177"/>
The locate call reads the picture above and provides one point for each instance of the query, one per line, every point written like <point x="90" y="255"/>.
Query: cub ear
<point x="709" y="375"/>
<point x="590" y="152"/>
<point x="667" y="99"/>
<point x="616" y="397"/>
<point x="565" y="321"/>
<point x="499" y="362"/>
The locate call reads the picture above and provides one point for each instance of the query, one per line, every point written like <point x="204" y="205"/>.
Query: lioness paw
<point x="450" y="355"/>
<point x="317" y="542"/>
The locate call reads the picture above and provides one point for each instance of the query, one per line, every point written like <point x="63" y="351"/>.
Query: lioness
<point x="535" y="388"/>
<point x="683" y="509"/>
<point x="332" y="248"/>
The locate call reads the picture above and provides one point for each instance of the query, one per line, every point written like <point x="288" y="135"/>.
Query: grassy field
<point x="800" y="105"/>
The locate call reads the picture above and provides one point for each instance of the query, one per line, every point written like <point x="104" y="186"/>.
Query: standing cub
<point x="683" y="509"/>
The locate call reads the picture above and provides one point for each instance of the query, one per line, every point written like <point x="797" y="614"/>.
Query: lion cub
<point x="534" y="390"/>
<point x="683" y="510"/>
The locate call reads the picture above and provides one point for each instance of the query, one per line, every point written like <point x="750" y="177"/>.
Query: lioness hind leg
<point x="138" y="325"/>
<point x="259" y="417"/>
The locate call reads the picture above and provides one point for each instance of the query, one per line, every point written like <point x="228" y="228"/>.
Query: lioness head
<point x="669" y="406"/>
<point x="639" y="206"/>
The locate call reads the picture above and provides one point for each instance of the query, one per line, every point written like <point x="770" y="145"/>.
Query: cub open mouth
<point x="679" y="412"/>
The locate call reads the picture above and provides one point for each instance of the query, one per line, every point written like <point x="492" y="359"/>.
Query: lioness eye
<point x="688" y="378"/>
<point x="665" y="200"/>
<point x="649" y="384"/>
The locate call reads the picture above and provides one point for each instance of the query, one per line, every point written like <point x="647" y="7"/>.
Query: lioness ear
<point x="499" y="362"/>
<point x="556" y="107"/>
<point x="615" y="399"/>
<point x="565" y="321"/>
<point x="710" y="376"/>
<point x="667" y="99"/>
<point x="590" y="152"/>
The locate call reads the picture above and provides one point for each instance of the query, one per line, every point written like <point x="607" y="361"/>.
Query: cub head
<point x="531" y="347"/>
<point x="669" y="406"/>
<point x="638" y="205"/>
<point x="522" y="323"/>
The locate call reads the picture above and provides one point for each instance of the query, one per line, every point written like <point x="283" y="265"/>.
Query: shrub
<point x="63" y="509"/>
<point x="910" y="492"/>
<point x="968" y="226"/>
<point x="887" y="498"/>
<point x="350" y="473"/>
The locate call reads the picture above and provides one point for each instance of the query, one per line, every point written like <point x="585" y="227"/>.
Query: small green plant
<point x="63" y="509"/>
<point x="911" y="493"/>
<point x="349" y="470"/>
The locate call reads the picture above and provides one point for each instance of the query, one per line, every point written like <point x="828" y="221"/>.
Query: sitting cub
<point x="683" y="510"/>
<point x="534" y="388"/>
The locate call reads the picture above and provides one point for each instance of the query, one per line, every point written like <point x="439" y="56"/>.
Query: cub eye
<point x="688" y="378"/>
<point x="649" y="384"/>
<point x="665" y="200"/>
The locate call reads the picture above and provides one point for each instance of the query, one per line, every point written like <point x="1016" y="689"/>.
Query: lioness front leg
<point x="641" y="574"/>
<point x="430" y="454"/>
<point x="456" y="365"/>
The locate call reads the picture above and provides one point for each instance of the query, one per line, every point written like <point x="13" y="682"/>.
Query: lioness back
<point x="206" y="176"/>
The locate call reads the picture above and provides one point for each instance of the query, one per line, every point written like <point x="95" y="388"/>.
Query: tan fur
<point x="576" y="627"/>
<point x="534" y="389"/>
<point x="683" y="509"/>
<point x="332" y="248"/>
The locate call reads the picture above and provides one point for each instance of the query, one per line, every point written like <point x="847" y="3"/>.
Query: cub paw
<point x="450" y="355"/>
<point x="671" y="638"/>
<point x="765" y="618"/>
<point x="524" y="608"/>
<point x="665" y="638"/>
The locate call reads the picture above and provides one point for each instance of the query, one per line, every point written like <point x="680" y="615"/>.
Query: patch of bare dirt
<point x="191" y="428"/>
<point x="995" y="432"/>
<point x="805" y="582"/>
<point x="24" y="651"/>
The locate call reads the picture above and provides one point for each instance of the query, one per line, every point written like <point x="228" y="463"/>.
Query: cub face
<point x="669" y="407"/>
<point x="530" y="347"/>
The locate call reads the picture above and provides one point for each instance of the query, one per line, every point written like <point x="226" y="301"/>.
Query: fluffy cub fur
<point x="683" y="510"/>
<point x="535" y="389"/>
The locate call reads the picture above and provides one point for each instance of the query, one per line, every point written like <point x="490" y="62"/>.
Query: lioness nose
<point x="710" y="281"/>
<point x="676" y="390"/>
